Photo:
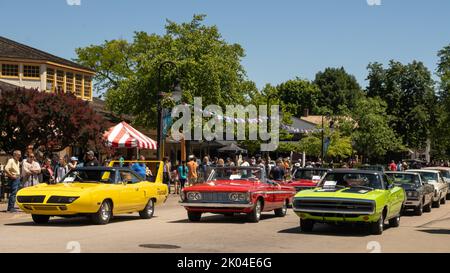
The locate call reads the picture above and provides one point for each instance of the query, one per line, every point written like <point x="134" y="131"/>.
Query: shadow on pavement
<point x="77" y="221"/>
<point x="436" y="231"/>
<point x="333" y="230"/>
<point x="221" y="219"/>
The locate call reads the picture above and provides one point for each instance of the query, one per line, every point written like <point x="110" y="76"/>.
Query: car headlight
<point x="62" y="200"/>
<point x="238" y="196"/>
<point x="194" y="196"/>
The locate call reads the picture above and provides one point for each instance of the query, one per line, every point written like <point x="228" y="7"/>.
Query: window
<point x="60" y="80"/>
<point x="50" y="79"/>
<point x="31" y="71"/>
<point x="87" y="87"/>
<point x="69" y="82"/>
<point x="79" y="85"/>
<point x="10" y="70"/>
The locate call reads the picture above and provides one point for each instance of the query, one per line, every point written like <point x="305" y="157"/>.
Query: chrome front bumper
<point x="215" y="205"/>
<point x="412" y="203"/>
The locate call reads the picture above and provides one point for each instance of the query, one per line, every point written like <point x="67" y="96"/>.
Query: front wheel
<point x="281" y="212"/>
<point x="377" y="227"/>
<point x="194" y="216"/>
<point x="148" y="211"/>
<point x="395" y="222"/>
<point x="255" y="215"/>
<point x="418" y="210"/>
<point x="427" y="208"/>
<point x="437" y="204"/>
<point x="306" y="225"/>
<point x="103" y="215"/>
<point x="40" y="219"/>
<point x="443" y="200"/>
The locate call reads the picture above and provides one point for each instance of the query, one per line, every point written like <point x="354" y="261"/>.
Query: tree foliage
<point x="338" y="90"/>
<point x="209" y="67"/>
<point x="55" y="121"/>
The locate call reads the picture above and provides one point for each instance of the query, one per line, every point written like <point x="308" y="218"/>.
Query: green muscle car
<point x="351" y="196"/>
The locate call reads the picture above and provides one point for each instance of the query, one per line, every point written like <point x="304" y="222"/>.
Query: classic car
<point x="445" y="173"/>
<point x="440" y="187"/>
<point x="95" y="192"/>
<point x="351" y="196"/>
<point x="307" y="178"/>
<point x="235" y="190"/>
<point x="419" y="193"/>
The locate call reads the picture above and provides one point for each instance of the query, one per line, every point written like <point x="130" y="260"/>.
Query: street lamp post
<point x="160" y="141"/>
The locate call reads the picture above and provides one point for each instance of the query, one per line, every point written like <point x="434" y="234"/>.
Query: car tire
<point x="281" y="212"/>
<point x="437" y="204"/>
<point x="255" y="215"/>
<point x="427" y="208"/>
<point x="377" y="227"/>
<point x="103" y="215"/>
<point x="395" y="222"/>
<point x="40" y="219"/>
<point x="306" y="225"/>
<point x="148" y="211"/>
<point x="443" y="200"/>
<point x="418" y="211"/>
<point x="448" y="196"/>
<point x="194" y="216"/>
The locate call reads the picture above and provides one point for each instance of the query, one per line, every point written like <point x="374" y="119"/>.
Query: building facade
<point x="24" y="66"/>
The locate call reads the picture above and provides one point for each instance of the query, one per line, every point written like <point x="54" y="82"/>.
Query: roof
<point x="317" y="120"/>
<point x="423" y="171"/>
<point x="391" y="172"/>
<point x="7" y="86"/>
<point x="313" y="169"/>
<point x="437" y="168"/>
<point x="15" y="50"/>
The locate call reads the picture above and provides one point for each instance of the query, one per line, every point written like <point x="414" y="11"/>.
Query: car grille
<point x="334" y="206"/>
<point x="215" y="197"/>
<point x="38" y="199"/>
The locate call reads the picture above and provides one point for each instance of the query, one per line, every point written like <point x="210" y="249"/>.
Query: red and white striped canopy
<point x="124" y="136"/>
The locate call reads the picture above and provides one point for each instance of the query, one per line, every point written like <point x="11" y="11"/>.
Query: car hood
<point x="64" y="188"/>
<point x="408" y="187"/>
<point x="341" y="193"/>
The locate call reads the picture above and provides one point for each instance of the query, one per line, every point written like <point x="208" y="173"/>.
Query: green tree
<point x="210" y="68"/>
<point x="338" y="90"/>
<point x="373" y="137"/>
<point x="298" y="95"/>
<point x="408" y="91"/>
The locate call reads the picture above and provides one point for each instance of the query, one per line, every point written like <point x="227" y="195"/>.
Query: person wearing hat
<point x="91" y="160"/>
<point x="73" y="163"/>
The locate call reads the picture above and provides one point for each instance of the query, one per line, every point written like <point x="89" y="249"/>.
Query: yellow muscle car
<point x="96" y="192"/>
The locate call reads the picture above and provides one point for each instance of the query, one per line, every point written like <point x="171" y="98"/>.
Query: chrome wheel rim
<point x="105" y="212"/>
<point x="258" y="210"/>
<point x="150" y="207"/>
<point x="284" y="209"/>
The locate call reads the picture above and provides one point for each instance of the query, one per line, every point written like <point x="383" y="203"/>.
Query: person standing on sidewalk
<point x="182" y="175"/>
<point x="12" y="171"/>
<point x="30" y="171"/>
<point x="192" y="170"/>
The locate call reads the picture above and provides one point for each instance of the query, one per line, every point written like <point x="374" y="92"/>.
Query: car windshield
<point x="351" y="180"/>
<point x="428" y="176"/>
<point x="402" y="178"/>
<point x="309" y="174"/>
<point x="445" y="174"/>
<point x="90" y="176"/>
<point x="235" y="173"/>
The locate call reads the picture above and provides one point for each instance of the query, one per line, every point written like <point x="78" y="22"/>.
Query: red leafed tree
<point x="54" y="121"/>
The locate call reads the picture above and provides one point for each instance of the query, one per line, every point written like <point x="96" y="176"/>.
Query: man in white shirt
<point x="12" y="171"/>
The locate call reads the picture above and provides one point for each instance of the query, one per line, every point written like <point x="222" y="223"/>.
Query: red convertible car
<point x="233" y="190"/>
<point x="307" y="178"/>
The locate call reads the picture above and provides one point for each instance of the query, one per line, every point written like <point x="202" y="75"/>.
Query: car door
<point x="131" y="195"/>
<point x="395" y="197"/>
<point x="268" y="191"/>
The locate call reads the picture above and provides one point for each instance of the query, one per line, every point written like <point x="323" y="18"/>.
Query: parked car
<point x="445" y="173"/>
<point x="418" y="192"/>
<point x="234" y="190"/>
<point x="307" y="178"/>
<point x="440" y="187"/>
<point x="353" y="196"/>
<point x="96" y="192"/>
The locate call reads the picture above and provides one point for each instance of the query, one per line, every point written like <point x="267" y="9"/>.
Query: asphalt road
<point x="170" y="231"/>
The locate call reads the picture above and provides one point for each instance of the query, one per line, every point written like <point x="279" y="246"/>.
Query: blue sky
<point x="282" y="39"/>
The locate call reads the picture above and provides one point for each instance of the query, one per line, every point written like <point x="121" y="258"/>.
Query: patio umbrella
<point x="124" y="135"/>
<point x="232" y="148"/>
